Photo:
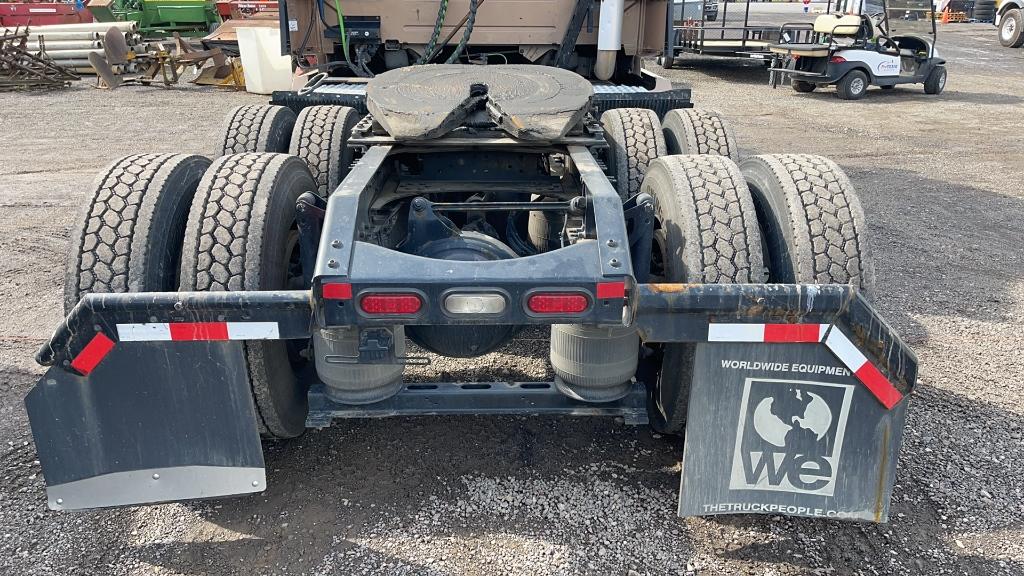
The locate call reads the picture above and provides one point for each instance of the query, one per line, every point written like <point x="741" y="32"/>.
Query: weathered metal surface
<point x="157" y="421"/>
<point x="100" y="313"/>
<point x="786" y="429"/>
<point x="530" y="102"/>
<point x="682" y="312"/>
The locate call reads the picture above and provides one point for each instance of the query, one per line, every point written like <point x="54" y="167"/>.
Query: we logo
<point x="790" y="436"/>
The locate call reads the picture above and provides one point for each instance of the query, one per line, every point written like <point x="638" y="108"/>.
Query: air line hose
<point x="442" y="11"/>
<point x="473" y="4"/>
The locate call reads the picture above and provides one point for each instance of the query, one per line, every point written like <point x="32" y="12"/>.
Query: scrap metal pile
<point x="20" y="69"/>
<point x="69" y="45"/>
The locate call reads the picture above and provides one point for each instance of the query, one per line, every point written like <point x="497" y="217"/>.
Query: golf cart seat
<point x="803" y="50"/>
<point x="838" y="24"/>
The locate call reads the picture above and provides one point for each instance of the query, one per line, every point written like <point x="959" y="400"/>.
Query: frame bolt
<point x="179" y="305"/>
<point x="612" y="243"/>
<point x="336" y="244"/>
<point x="156" y="476"/>
<point x="332" y="263"/>
<point x="255" y="482"/>
<point x="60" y="500"/>
<point x="614" y="263"/>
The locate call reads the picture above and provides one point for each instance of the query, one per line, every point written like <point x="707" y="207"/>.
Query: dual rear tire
<point x="776" y="218"/>
<point x="166" y="222"/>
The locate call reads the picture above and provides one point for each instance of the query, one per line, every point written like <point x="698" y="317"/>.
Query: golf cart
<point x="854" y="48"/>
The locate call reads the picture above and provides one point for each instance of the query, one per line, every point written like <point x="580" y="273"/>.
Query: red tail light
<point x="557" y="303"/>
<point x="837" y="60"/>
<point x="393" y="304"/>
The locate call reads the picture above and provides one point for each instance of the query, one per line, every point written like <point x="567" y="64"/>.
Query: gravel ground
<point x="940" y="182"/>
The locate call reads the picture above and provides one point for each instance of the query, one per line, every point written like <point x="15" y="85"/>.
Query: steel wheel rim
<point x="857" y="86"/>
<point x="1009" y="28"/>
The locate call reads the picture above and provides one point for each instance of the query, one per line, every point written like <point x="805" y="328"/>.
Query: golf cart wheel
<point x="853" y="86"/>
<point x="242" y="235"/>
<point x="634" y="140"/>
<point x="127" y="237"/>
<point x="803" y="87"/>
<point x="706" y="232"/>
<point x="811" y="221"/>
<point x="692" y="131"/>
<point x="320" y="137"/>
<point x="665" y="62"/>
<point x="936" y="81"/>
<point x="1011" y="29"/>
<point x="257" y="128"/>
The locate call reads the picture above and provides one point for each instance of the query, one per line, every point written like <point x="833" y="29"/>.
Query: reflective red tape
<point x="92" y="354"/>
<point x="723" y="332"/>
<point x="862" y="368"/>
<point x="792" y="332"/>
<point x="879" y="385"/>
<point x="844" y="349"/>
<point x="199" y="330"/>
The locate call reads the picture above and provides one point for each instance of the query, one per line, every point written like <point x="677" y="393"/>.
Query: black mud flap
<point x="151" y="423"/>
<point x="787" y="429"/>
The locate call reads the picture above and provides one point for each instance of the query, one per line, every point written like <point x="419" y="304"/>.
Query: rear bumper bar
<point x="147" y="397"/>
<point x="836" y="316"/>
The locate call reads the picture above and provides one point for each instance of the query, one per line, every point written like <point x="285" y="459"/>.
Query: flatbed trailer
<point x="722" y="37"/>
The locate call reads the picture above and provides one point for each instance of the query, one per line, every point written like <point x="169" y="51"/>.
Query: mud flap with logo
<point x="151" y="423"/>
<point x="786" y="429"/>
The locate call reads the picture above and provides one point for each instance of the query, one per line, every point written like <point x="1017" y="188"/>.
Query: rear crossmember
<point x="836" y="316"/>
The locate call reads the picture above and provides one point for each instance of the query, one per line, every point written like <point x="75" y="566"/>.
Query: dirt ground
<point x="940" y="180"/>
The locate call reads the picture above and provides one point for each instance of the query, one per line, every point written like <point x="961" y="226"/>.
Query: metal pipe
<point x="73" y="63"/>
<point x="62" y="36"/>
<point x="63" y="45"/>
<point x="100" y="27"/>
<point x="609" y="38"/>
<point x="57" y="55"/>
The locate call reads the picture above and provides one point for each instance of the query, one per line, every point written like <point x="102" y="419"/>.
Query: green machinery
<point x="159" y="18"/>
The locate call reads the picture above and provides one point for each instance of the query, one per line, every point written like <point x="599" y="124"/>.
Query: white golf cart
<point x="855" y="47"/>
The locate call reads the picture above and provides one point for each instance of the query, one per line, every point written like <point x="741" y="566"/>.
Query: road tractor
<point x="217" y="303"/>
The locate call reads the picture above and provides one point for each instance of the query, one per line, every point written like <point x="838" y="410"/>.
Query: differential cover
<point x="414" y="103"/>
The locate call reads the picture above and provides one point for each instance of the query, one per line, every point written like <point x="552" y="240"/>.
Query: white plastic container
<point x="264" y="67"/>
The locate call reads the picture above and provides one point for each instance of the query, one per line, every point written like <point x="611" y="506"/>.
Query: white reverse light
<point x="475" y="303"/>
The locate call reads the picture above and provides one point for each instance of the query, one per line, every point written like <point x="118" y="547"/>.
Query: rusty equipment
<point x="159" y="66"/>
<point x="22" y="70"/>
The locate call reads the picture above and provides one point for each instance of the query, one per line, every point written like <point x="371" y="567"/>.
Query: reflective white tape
<point x="822" y="329"/>
<point x="253" y="331"/>
<point x="735" y="332"/>
<point x="143" y="332"/>
<point x="841" y="346"/>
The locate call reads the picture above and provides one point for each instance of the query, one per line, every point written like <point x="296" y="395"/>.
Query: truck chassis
<point x="792" y="395"/>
